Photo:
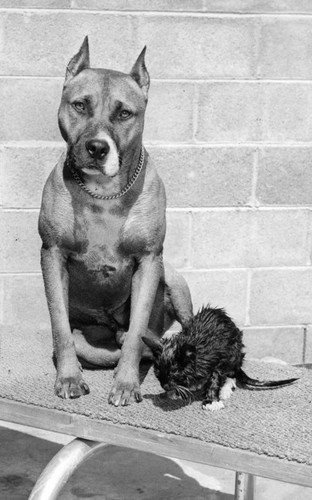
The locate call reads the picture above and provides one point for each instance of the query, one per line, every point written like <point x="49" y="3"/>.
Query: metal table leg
<point x="244" y="486"/>
<point x="61" y="467"/>
<point x="55" y="475"/>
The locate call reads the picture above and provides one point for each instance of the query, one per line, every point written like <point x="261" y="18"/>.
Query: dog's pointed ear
<point x="140" y="74"/>
<point x="154" y="345"/>
<point x="79" y="62"/>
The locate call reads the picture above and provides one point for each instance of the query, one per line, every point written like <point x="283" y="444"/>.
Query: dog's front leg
<point x="69" y="382"/>
<point x="144" y="286"/>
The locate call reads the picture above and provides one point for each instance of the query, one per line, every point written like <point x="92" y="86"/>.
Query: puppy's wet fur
<point x="206" y="357"/>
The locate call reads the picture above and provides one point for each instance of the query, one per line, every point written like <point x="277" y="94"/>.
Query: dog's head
<point x="101" y="115"/>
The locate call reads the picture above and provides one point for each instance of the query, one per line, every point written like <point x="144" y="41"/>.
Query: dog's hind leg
<point x="172" y="303"/>
<point x="179" y="295"/>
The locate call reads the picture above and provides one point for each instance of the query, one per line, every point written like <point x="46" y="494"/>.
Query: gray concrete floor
<point x="120" y="473"/>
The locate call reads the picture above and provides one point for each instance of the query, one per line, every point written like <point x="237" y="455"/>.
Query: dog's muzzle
<point x="97" y="149"/>
<point x="103" y="155"/>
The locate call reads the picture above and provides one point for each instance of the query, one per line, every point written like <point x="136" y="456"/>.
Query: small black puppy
<point x="206" y="357"/>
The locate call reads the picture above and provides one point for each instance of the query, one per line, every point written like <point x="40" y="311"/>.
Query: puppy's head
<point x="174" y="364"/>
<point x="101" y="115"/>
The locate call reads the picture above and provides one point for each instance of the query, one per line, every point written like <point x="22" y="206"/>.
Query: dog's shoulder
<point x="56" y="209"/>
<point x="55" y="183"/>
<point x="149" y="197"/>
<point x="147" y="216"/>
<point x="154" y="188"/>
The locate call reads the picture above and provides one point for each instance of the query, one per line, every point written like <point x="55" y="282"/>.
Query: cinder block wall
<point x="229" y="123"/>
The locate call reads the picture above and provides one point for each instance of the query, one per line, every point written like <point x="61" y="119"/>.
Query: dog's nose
<point x="97" y="149"/>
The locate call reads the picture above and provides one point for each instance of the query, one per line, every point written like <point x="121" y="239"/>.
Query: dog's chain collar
<point x="125" y="190"/>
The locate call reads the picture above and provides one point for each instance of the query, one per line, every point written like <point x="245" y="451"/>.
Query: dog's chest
<point x="95" y="239"/>
<point x="99" y="271"/>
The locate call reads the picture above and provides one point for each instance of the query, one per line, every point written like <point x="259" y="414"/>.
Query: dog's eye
<point x="125" y="114"/>
<point x="79" y="106"/>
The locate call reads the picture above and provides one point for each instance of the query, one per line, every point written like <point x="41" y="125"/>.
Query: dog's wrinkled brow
<point x="84" y="97"/>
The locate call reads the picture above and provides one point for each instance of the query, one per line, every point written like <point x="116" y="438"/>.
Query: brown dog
<point x="102" y="224"/>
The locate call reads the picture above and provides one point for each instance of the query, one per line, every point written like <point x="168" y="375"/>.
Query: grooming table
<point x="259" y="433"/>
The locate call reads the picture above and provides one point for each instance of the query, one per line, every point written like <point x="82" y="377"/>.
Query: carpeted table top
<point x="276" y="423"/>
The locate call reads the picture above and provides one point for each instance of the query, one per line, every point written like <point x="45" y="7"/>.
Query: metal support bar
<point x="244" y="486"/>
<point x="61" y="467"/>
<point x="55" y="475"/>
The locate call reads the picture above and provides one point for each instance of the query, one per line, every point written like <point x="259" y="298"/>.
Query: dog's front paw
<point x="126" y="386"/>
<point x="71" y="387"/>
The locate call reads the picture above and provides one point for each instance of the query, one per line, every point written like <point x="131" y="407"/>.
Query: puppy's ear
<point x="140" y="74"/>
<point x="79" y="62"/>
<point x="154" y="345"/>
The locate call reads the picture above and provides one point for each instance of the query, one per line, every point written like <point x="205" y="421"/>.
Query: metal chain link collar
<point x="113" y="196"/>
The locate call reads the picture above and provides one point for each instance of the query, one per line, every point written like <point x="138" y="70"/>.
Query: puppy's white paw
<point x="214" y="406"/>
<point x="227" y="389"/>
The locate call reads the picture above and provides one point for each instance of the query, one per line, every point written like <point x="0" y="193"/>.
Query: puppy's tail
<point x="243" y="380"/>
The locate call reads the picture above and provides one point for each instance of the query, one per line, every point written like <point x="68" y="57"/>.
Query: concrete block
<point x="169" y="115"/>
<point x="25" y="170"/>
<point x="36" y="4"/>
<point x="229" y="112"/>
<point x="35" y="102"/>
<point x="21" y="242"/>
<point x="227" y="289"/>
<point x="288" y="110"/>
<point x="1" y="176"/>
<point x="258" y="6"/>
<point x="23" y="55"/>
<point x="177" y="242"/>
<point x="250" y="238"/>
<point x="285" y="176"/>
<point x="228" y="6"/>
<point x="282" y="343"/>
<point x="285" y="48"/>
<point x="279" y="238"/>
<point x="308" y="346"/>
<point x="33" y="109"/>
<point x="205" y="176"/>
<point x="281" y="296"/>
<point x="1" y="299"/>
<point x="220" y="239"/>
<point x="24" y="301"/>
<point x="198" y="47"/>
<point x="154" y="5"/>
